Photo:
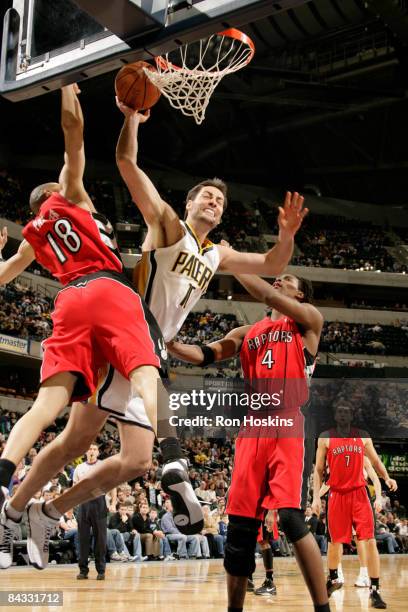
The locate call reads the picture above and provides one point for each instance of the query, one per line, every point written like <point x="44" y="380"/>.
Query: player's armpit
<point x="17" y="264"/>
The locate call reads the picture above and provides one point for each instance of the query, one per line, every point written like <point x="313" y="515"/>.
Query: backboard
<point x="49" y="43"/>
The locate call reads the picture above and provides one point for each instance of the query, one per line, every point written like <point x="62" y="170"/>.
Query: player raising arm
<point x="205" y="205"/>
<point x="78" y="247"/>
<point x="270" y="473"/>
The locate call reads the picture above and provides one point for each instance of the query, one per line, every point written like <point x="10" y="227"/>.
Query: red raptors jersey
<point x="71" y="242"/>
<point x="274" y="350"/>
<point x="345" y="457"/>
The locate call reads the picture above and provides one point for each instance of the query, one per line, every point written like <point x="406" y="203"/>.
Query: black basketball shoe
<point x="187" y="511"/>
<point x="376" y="600"/>
<point x="267" y="588"/>
<point x="333" y="585"/>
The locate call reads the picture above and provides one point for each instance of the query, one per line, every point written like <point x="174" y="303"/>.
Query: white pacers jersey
<point x="172" y="279"/>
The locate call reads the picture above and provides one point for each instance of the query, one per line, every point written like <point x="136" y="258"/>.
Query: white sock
<point x="12" y="513"/>
<point x="51" y="511"/>
<point x="363" y="572"/>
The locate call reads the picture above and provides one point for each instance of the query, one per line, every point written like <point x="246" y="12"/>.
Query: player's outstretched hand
<point x="378" y="505"/>
<point x="316" y="506"/>
<point x="3" y="238"/>
<point x="131" y="112"/>
<point x="292" y="213"/>
<point x="391" y="484"/>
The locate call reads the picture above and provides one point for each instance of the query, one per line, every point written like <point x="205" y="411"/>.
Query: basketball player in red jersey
<point x="349" y="506"/>
<point x="77" y="246"/>
<point x="270" y="470"/>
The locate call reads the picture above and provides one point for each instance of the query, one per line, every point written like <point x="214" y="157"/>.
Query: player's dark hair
<point x="214" y="182"/>
<point x="39" y="195"/>
<point x="306" y="287"/>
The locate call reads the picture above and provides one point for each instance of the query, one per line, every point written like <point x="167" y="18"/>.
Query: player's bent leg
<point x="84" y="423"/>
<point x="187" y="511"/>
<point x="53" y="396"/>
<point x="239" y="557"/>
<point x="124" y="466"/>
<point x="292" y="523"/>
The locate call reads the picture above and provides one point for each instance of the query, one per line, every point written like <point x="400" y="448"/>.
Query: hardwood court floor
<point x="196" y="586"/>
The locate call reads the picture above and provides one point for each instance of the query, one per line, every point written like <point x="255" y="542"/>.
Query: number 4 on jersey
<point x="268" y="359"/>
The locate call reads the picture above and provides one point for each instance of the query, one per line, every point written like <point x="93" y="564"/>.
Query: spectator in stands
<point x="382" y="534"/>
<point x="69" y="529"/>
<point x="174" y="535"/>
<point x="121" y="522"/>
<point x="399" y="510"/>
<point x="318" y="529"/>
<point x="211" y="531"/>
<point x="385" y="502"/>
<point x="154" y="524"/>
<point x="116" y="547"/>
<point x="203" y="493"/>
<point x="402" y="534"/>
<point x="141" y="522"/>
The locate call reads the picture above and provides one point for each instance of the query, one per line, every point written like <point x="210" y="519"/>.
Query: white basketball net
<point x="189" y="78"/>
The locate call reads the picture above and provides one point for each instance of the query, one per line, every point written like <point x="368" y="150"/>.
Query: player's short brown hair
<point x="39" y="195"/>
<point x="214" y="182"/>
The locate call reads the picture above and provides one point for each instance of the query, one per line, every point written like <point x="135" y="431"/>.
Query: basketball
<point x="133" y="87"/>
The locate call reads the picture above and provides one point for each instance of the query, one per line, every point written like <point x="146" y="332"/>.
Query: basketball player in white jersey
<point x="177" y="264"/>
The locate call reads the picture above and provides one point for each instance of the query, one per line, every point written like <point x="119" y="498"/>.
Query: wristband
<point x="209" y="355"/>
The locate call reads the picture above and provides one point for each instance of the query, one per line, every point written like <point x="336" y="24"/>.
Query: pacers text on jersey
<point x="191" y="266"/>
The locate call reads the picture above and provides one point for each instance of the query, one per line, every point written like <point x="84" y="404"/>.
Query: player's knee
<point x="143" y="378"/>
<point x="132" y="467"/>
<point x="77" y="445"/>
<point x="292" y="523"/>
<point x="239" y="552"/>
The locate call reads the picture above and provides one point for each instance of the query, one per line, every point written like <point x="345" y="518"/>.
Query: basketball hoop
<point x="189" y="75"/>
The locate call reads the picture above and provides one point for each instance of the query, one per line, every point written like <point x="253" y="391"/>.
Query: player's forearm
<point x="280" y="255"/>
<point x="127" y="147"/>
<point x="191" y="353"/>
<point x="380" y="469"/>
<point x="255" y="285"/>
<point x="317" y="482"/>
<point x="71" y="111"/>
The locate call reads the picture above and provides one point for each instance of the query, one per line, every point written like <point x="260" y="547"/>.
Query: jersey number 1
<point x="72" y="242"/>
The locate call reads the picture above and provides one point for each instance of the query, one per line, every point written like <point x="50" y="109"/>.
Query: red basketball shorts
<point x="349" y="509"/>
<point x="100" y="319"/>
<point x="269" y="473"/>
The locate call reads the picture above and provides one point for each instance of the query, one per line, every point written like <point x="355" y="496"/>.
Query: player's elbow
<point x="123" y="160"/>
